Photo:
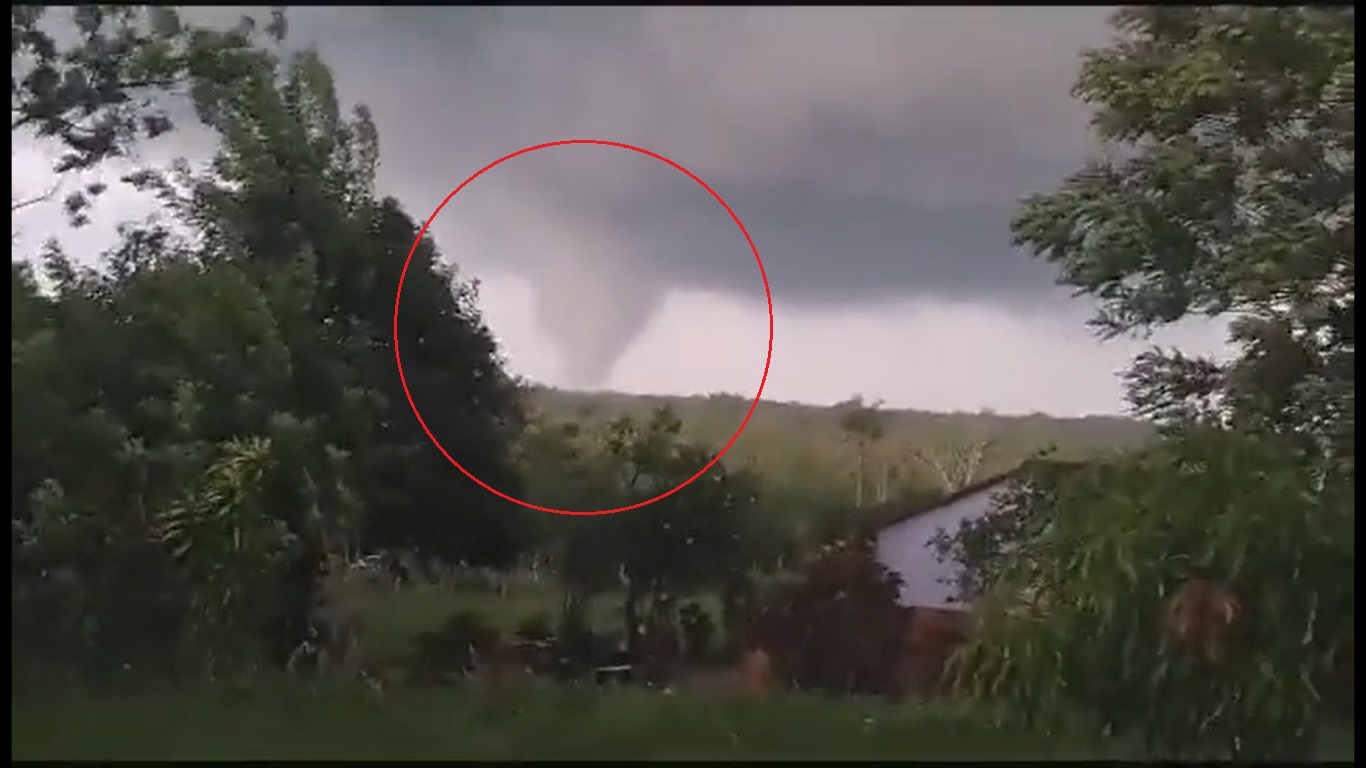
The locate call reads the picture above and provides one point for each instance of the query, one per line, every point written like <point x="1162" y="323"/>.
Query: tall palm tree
<point x="864" y="425"/>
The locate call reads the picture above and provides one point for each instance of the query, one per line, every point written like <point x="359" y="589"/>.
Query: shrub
<point x="698" y="630"/>
<point x="453" y="648"/>
<point x="1196" y="595"/>
<point x="577" y="648"/>
<point x="538" y="626"/>
<point x="840" y="629"/>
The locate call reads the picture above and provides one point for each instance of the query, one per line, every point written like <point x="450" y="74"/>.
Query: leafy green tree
<point x="113" y="444"/>
<point x="562" y="471"/>
<point x="1021" y="512"/>
<point x="108" y="86"/>
<point x="292" y="193"/>
<point x="1235" y="195"/>
<point x="202" y="419"/>
<point x="1230" y="192"/>
<point x="692" y="540"/>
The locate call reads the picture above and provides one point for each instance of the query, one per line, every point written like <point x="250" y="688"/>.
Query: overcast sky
<point x="874" y="154"/>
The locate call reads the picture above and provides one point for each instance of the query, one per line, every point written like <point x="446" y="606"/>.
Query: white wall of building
<point x="906" y="549"/>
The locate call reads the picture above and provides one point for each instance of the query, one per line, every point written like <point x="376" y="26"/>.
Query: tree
<point x="116" y="447"/>
<point x="1236" y="197"/>
<point x="109" y="88"/>
<point x="685" y="541"/>
<point x="106" y="89"/>
<point x="560" y="471"/>
<point x="1229" y="192"/>
<point x="681" y="544"/>
<point x="1020" y="513"/>
<point x="293" y="189"/>
<point x="863" y="424"/>
<point x="202" y="418"/>
<point x="955" y="463"/>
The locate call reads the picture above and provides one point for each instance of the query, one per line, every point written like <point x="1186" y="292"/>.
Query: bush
<point x="538" y="626"/>
<point x="840" y="629"/>
<point x="453" y="648"/>
<point x="1197" y="595"/>
<point x="698" y="630"/>
<point x="577" y="648"/>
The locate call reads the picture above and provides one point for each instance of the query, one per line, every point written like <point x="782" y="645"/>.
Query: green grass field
<point x="538" y="722"/>
<point x="292" y="719"/>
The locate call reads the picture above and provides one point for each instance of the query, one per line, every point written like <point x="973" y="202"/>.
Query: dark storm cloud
<point x="870" y="152"/>
<point x="873" y="153"/>
<point x="824" y="239"/>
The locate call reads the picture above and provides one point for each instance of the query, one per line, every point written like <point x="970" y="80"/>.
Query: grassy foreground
<point x="540" y="722"/>
<point x="536" y="720"/>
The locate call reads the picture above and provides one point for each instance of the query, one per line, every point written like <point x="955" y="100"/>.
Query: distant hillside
<point x="792" y="442"/>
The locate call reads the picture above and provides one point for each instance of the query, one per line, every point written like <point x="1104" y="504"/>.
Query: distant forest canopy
<point x="794" y="444"/>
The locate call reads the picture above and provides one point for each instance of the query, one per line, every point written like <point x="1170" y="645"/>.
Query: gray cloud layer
<point x="873" y="153"/>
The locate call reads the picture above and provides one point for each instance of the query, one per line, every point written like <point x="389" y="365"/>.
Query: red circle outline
<point x="768" y="296"/>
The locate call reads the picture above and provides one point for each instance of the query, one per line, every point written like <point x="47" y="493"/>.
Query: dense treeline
<point x="809" y="457"/>
<point x="207" y="411"/>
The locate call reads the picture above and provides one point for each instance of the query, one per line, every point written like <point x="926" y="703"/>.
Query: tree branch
<point x="16" y="205"/>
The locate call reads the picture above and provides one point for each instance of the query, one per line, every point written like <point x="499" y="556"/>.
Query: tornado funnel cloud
<point x="593" y="314"/>
<point x="593" y="293"/>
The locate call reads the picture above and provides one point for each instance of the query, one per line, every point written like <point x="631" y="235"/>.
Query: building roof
<point x="899" y="513"/>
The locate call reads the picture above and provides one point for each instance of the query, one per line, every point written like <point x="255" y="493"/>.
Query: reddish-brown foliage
<point x="931" y="638"/>
<point x="756" y="674"/>
<point x="1201" y="617"/>
<point x="839" y="630"/>
<point x="500" y="665"/>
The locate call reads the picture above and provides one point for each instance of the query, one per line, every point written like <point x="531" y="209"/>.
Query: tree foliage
<point x="1236" y="196"/>
<point x="1198" y="593"/>
<point x="1076" y="615"/>
<point x="805" y="461"/>
<point x="864" y="425"/>
<point x="841" y="629"/>
<point x="1021" y="511"/>
<point x="699" y="537"/>
<point x="211" y="409"/>
<point x="97" y="79"/>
